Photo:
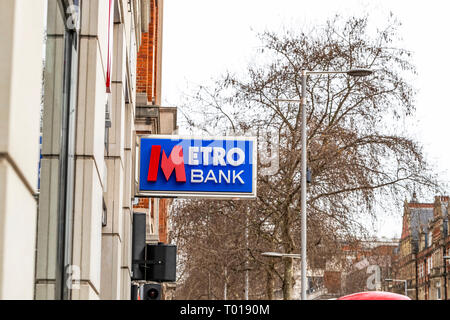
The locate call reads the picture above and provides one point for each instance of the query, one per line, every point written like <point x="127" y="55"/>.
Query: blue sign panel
<point x="197" y="167"/>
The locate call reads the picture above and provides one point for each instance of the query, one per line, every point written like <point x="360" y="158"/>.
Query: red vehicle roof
<point x="374" y="295"/>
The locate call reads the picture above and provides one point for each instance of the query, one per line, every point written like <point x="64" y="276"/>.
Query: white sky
<point x="204" y="38"/>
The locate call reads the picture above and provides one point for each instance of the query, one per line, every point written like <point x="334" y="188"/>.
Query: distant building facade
<point x="357" y="266"/>
<point x="424" y="244"/>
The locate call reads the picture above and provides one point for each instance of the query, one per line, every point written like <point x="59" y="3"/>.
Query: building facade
<point x="368" y="264"/>
<point x="67" y="234"/>
<point x="424" y="245"/>
<point x="357" y="266"/>
<point x="20" y="94"/>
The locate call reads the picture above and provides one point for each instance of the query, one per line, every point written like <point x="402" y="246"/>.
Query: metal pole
<point x="398" y="280"/>
<point x="303" y="185"/>
<point x="355" y="72"/>
<point x="225" y="285"/>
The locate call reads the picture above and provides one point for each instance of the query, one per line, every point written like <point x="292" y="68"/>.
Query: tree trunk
<point x="288" y="279"/>
<point x="270" y="285"/>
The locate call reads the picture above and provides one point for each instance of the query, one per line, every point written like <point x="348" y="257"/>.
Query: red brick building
<point x="367" y="263"/>
<point x="359" y="266"/>
<point x="424" y="244"/>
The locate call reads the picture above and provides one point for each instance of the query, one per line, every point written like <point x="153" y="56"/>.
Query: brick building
<point x="424" y="244"/>
<point x="357" y="266"/>
<point x="368" y="263"/>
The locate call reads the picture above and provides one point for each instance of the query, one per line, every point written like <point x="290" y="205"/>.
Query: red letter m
<point x="175" y="161"/>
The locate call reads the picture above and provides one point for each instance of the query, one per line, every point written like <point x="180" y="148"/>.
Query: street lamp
<point x="281" y="255"/>
<point x="405" y="281"/>
<point x="359" y="72"/>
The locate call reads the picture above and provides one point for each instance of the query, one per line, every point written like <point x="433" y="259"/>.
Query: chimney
<point x="414" y="197"/>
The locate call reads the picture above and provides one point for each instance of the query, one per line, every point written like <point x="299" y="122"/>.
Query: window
<point x="438" y="290"/>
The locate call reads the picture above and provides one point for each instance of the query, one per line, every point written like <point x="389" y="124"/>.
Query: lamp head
<point x="359" y="72"/>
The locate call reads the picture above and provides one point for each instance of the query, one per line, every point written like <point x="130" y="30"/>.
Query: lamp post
<point x="398" y="280"/>
<point x="281" y="255"/>
<point x="360" y="72"/>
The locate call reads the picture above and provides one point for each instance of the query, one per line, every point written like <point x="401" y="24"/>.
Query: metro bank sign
<point x="174" y="166"/>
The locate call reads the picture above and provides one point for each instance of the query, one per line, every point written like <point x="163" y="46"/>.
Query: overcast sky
<point x="204" y="38"/>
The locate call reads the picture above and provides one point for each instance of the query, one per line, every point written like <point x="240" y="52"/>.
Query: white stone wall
<point x="102" y="253"/>
<point x="21" y="38"/>
<point x="116" y="235"/>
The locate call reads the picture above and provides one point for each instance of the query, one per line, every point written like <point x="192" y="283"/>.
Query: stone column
<point x="47" y="229"/>
<point x="21" y="38"/>
<point x="90" y="167"/>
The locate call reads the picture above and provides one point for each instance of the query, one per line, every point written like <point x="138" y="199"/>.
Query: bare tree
<point x="358" y="158"/>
